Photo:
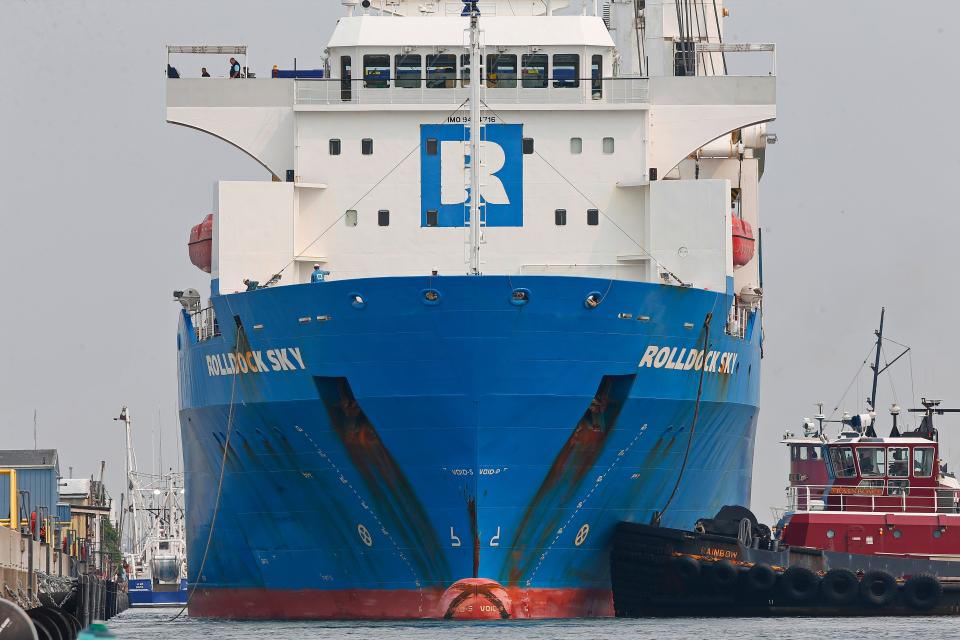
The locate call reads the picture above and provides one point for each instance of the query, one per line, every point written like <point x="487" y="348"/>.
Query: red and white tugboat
<point x="872" y="527"/>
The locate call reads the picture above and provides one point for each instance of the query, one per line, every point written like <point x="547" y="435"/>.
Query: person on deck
<point x="204" y="73"/>
<point x="252" y="285"/>
<point x="234" y="68"/>
<point x="318" y="274"/>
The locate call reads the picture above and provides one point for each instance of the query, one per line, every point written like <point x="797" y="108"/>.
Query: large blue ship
<point x="404" y="402"/>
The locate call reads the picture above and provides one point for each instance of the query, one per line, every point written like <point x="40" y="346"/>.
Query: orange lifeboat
<point x="201" y="244"/>
<point x="743" y="242"/>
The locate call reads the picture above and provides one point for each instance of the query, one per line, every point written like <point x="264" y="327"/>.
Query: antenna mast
<point x="876" y="362"/>
<point x="471" y="10"/>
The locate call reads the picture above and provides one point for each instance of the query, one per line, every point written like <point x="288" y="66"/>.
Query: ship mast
<point x="470" y="9"/>
<point x="876" y="362"/>
<point x="132" y="488"/>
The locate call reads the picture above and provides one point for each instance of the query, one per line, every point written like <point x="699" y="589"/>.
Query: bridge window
<point x="841" y="460"/>
<point x="376" y="71"/>
<point x="465" y="70"/>
<point x="334" y="146"/>
<point x="899" y="463"/>
<point x="535" y="70"/>
<point x="608" y="146"/>
<point x="576" y="146"/>
<point x="408" y="69"/>
<point x="566" y="70"/>
<point x="898" y="487"/>
<point x="872" y="462"/>
<point x="560" y="217"/>
<point x="383" y="217"/>
<point x="596" y="76"/>
<point x="350" y="218"/>
<point x="346" y="78"/>
<point x="442" y="71"/>
<point x="501" y="71"/>
<point x="593" y="217"/>
<point x="366" y="146"/>
<point x="923" y="462"/>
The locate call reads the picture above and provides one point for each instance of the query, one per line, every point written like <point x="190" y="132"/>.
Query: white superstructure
<point x="636" y="148"/>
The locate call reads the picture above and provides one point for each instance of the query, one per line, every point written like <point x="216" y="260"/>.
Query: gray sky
<point x="97" y="196"/>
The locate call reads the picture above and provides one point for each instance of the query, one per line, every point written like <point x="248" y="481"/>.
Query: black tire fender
<point x="840" y="587"/>
<point x="687" y="569"/>
<point x="922" y="592"/>
<point x="723" y="575"/>
<point x="760" y="578"/>
<point x="799" y="584"/>
<point x="878" y="588"/>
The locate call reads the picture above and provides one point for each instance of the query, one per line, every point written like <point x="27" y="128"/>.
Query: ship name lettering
<point x="255" y="361"/>
<point x="714" y="552"/>
<point x="683" y="359"/>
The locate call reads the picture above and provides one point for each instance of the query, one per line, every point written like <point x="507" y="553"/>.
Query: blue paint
<point x="471" y="398"/>
<point x="450" y="199"/>
<point x="142" y="594"/>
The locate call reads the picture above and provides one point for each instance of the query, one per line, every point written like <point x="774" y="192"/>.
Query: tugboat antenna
<point x="876" y="364"/>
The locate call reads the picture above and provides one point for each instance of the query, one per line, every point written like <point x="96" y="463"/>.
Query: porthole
<point x="593" y="300"/>
<point x="897" y="533"/>
<point x="430" y="297"/>
<point x="830" y="534"/>
<point x="937" y="533"/>
<point x="357" y="301"/>
<point x="520" y="297"/>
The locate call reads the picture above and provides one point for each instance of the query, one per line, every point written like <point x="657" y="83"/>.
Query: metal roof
<point x="527" y="31"/>
<point x="17" y="458"/>
<point x="74" y="487"/>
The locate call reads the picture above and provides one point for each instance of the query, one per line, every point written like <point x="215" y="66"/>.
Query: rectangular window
<point x="383" y="217"/>
<point x="596" y="76"/>
<point x="346" y="78"/>
<point x="566" y="70"/>
<point x="465" y="70"/>
<point x="593" y="217"/>
<point x="442" y="71"/>
<point x="608" y="146"/>
<point x="872" y="462"/>
<point x="923" y="462"/>
<point x="560" y="217"/>
<point x="794" y="452"/>
<point x="527" y="146"/>
<point x="684" y="58"/>
<point x="841" y="460"/>
<point x="408" y="70"/>
<point x="431" y="146"/>
<point x="802" y="453"/>
<point x="432" y="218"/>
<point x="813" y="453"/>
<point x="898" y="458"/>
<point x="534" y="71"/>
<point x="334" y="146"/>
<point x="366" y="146"/>
<point x="576" y="145"/>
<point x="350" y="218"/>
<point x="501" y="71"/>
<point x="898" y="487"/>
<point x="376" y="71"/>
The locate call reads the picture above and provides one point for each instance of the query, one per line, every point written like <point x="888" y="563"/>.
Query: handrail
<point x="14" y="520"/>
<point x="871" y="499"/>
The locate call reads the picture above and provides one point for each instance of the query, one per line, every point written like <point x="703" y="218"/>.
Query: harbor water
<point x="150" y="624"/>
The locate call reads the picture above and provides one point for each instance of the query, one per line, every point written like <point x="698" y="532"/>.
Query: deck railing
<point x="205" y="324"/>
<point x="332" y="91"/>
<point x="871" y="499"/>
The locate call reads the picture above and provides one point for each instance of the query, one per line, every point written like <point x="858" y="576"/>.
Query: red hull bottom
<point x="465" y="600"/>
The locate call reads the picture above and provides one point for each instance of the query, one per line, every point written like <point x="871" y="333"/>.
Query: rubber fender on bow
<point x="922" y="592"/>
<point x="878" y="588"/>
<point x="687" y="568"/>
<point x="799" y="584"/>
<point x="839" y="587"/>
<point x="760" y="578"/>
<point x="723" y="575"/>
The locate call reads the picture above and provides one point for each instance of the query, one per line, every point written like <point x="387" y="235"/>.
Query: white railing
<point x="871" y="499"/>
<point x="334" y="91"/>
<point x="205" y="324"/>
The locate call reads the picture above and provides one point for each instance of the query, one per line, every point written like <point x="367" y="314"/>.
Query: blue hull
<point x="380" y="453"/>
<point x="144" y="594"/>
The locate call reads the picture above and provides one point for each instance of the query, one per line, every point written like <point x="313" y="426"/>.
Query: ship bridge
<point x="594" y="163"/>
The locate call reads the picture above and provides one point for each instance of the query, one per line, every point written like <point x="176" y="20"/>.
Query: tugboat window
<point x="841" y="459"/>
<point x="898" y="488"/>
<point x="898" y="462"/>
<point x="872" y="462"/>
<point x="408" y="70"/>
<point x="501" y="71"/>
<point x="376" y="71"/>
<point x="534" y="71"/>
<point x="566" y="70"/>
<point x="801" y="452"/>
<point x="923" y="462"/>
<point x="442" y="71"/>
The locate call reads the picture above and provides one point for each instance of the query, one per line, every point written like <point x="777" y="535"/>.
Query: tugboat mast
<point x="876" y="362"/>
<point x="470" y="9"/>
